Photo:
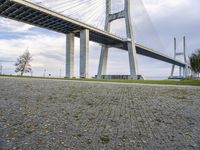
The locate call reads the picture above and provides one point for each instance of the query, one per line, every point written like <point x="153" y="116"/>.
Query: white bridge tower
<point x="182" y="73"/>
<point x="130" y="39"/>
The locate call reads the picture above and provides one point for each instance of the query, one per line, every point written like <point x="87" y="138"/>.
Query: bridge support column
<point x="84" y="53"/>
<point x="131" y="45"/>
<point x="185" y="72"/>
<point x="132" y="61"/>
<point x="180" y="71"/>
<point x="172" y="72"/>
<point x="103" y="61"/>
<point x="102" y="70"/>
<point x="70" y="55"/>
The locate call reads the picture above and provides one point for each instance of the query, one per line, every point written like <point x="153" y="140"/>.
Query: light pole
<point x="60" y="73"/>
<point x="44" y="74"/>
<point x="1" y="69"/>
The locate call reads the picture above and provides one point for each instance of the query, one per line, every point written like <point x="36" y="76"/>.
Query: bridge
<point x="33" y="14"/>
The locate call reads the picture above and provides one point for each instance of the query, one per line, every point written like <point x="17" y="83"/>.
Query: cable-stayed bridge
<point x="34" y="14"/>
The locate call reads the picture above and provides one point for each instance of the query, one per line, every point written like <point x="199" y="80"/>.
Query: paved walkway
<point x="50" y="114"/>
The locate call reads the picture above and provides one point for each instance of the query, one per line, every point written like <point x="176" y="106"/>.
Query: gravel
<point x="54" y="114"/>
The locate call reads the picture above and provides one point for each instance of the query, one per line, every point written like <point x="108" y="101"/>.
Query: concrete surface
<point x="56" y="114"/>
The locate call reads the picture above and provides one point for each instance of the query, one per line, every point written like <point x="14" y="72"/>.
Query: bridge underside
<point x="33" y="14"/>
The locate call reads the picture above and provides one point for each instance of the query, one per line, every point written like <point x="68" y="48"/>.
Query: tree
<point x="195" y="62"/>
<point x="23" y="63"/>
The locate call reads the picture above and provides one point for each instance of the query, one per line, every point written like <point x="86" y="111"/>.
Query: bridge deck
<point x="33" y="14"/>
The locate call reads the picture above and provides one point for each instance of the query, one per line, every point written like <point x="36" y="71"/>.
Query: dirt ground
<point x="52" y="114"/>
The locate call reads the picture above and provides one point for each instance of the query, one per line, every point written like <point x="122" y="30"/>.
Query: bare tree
<point x="23" y="63"/>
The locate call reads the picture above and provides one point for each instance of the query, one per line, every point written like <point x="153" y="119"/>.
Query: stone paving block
<point x="55" y="114"/>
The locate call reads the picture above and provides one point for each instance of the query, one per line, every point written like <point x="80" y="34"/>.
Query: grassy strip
<point x="165" y="82"/>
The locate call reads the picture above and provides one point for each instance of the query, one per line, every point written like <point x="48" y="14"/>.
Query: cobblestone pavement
<point x="49" y="114"/>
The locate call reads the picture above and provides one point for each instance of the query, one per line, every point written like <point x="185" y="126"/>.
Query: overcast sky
<point x="166" y="19"/>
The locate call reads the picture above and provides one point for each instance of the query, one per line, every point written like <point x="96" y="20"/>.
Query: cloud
<point x="162" y="8"/>
<point x="13" y="26"/>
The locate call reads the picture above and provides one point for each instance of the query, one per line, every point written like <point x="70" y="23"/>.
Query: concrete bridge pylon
<point x="183" y="71"/>
<point x="130" y="39"/>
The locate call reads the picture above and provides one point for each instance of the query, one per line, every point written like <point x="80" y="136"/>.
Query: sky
<point x="155" y="24"/>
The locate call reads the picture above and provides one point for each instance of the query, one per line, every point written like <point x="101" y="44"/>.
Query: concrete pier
<point x="102" y="70"/>
<point x="84" y="53"/>
<point x="70" y="55"/>
<point x="103" y="61"/>
<point x="131" y="44"/>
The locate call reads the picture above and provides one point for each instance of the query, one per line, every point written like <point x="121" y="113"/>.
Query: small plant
<point x="30" y="128"/>
<point x="79" y="135"/>
<point x="105" y="139"/>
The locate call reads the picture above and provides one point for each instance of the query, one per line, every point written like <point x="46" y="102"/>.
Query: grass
<point x="164" y="82"/>
<point x="167" y="82"/>
<point x="105" y="139"/>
